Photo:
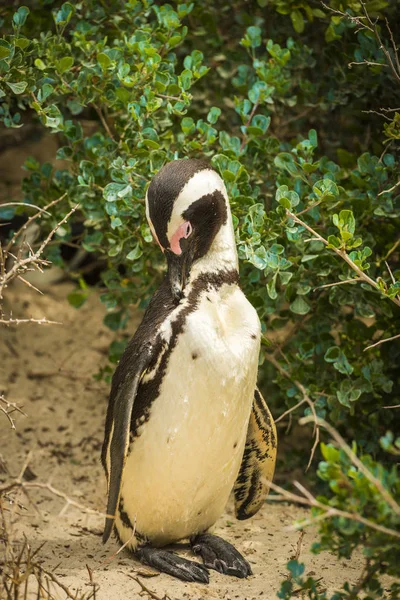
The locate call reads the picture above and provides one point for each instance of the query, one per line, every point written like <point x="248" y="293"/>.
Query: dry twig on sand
<point x="8" y="408"/>
<point x="18" y="253"/>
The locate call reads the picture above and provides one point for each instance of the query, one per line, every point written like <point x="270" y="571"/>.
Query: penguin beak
<point x="179" y="270"/>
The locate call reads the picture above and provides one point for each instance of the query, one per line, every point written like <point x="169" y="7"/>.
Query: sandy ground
<point x="49" y="371"/>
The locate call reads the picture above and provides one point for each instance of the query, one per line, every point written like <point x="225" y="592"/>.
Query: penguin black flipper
<point x="139" y="354"/>
<point x="258" y="463"/>
<point x="119" y="443"/>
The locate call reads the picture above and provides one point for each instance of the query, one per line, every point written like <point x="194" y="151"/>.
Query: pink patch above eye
<point x="183" y="231"/>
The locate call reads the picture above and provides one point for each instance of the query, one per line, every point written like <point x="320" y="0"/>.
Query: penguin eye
<point x="188" y="229"/>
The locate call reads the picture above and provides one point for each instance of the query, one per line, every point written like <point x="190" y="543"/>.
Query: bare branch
<point x="24" y="204"/>
<point x="391" y="189"/>
<point x="42" y="321"/>
<point x="306" y="399"/>
<point x="356" y="462"/>
<point x="30" y="220"/>
<point x="394" y="337"/>
<point x="328" y="511"/>
<point x="327" y="285"/>
<point x="7" y="408"/>
<point x="33" y="259"/>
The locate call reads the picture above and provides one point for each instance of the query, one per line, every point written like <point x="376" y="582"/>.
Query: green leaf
<point x="39" y="64"/>
<point x="135" y="253"/>
<point x="333" y="242"/>
<point x="187" y="125"/>
<point x="300" y="306"/>
<point x="213" y="115"/>
<point x="5" y="49"/>
<point x="113" y="191"/>
<point x="297" y="21"/>
<point x="104" y="60"/>
<point x="46" y="90"/>
<point x="20" y="16"/>
<point x="287" y="198"/>
<point x="63" y="16"/>
<point x="285" y="161"/>
<point x="64" y="64"/>
<point x="296" y="569"/>
<point x="17" y="87"/>
<point x="77" y="298"/>
<point x="332" y="354"/>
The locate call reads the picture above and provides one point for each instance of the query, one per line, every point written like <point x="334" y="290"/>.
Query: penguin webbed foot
<point x="172" y="564"/>
<point x="220" y="555"/>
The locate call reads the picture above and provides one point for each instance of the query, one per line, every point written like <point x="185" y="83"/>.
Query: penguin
<point x="186" y="423"/>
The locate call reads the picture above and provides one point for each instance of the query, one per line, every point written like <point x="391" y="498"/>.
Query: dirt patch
<point x="49" y="371"/>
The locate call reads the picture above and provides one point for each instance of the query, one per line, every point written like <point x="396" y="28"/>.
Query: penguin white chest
<point x="180" y="470"/>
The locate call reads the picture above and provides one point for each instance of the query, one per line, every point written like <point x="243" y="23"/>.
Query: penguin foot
<point x="220" y="555"/>
<point x="172" y="564"/>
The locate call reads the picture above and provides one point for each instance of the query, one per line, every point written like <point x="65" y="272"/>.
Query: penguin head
<point x="186" y="206"/>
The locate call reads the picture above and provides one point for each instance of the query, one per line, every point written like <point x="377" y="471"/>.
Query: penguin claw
<point x="172" y="564"/>
<point x="220" y="555"/>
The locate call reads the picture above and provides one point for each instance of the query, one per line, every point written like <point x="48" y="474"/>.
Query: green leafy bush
<point x="308" y="149"/>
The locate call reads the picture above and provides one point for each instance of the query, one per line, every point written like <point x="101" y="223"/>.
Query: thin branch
<point x="29" y="284"/>
<point x="30" y="220"/>
<point x="244" y="139"/>
<point x="306" y="399"/>
<point x="146" y="589"/>
<point x="389" y="190"/>
<point x="327" y="285"/>
<point x="7" y="408"/>
<point x="357" y="462"/>
<point x="290" y="410"/>
<point x="309" y="207"/>
<point x="42" y="321"/>
<point x="104" y="122"/>
<point x="342" y="253"/>
<point x="329" y="511"/>
<point x="394" y="337"/>
<point x="34" y="258"/>
<point x="23" y="204"/>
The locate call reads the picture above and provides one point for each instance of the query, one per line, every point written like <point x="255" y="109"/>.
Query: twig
<point x="244" y="140"/>
<point x="356" y="462"/>
<point x="41" y="321"/>
<point x="306" y="399"/>
<point x="8" y="408"/>
<point x="342" y="253"/>
<point x="104" y="122"/>
<point x="389" y="190"/>
<point x="31" y="219"/>
<point x="34" y="258"/>
<point x="327" y="285"/>
<point x="24" y="204"/>
<point x="296" y="555"/>
<point x="329" y="511"/>
<point x="394" y="337"/>
<point x="393" y="406"/>
<point x="146" y="589"/>
<point x="290" y="410"/>
<point x="309" y="207"/>
<point x="24" y="485"/>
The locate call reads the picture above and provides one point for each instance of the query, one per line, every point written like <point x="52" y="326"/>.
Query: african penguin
<point x="185" y="422"/>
